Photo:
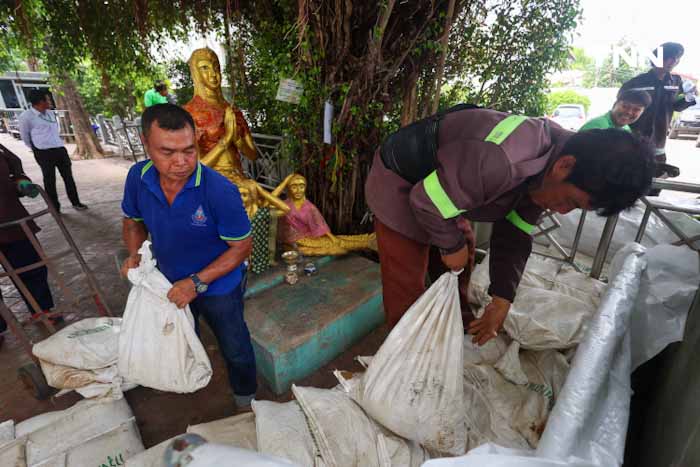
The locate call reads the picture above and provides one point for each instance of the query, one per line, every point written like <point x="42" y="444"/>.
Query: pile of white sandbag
<point x="83" y="357"/>
<point x="89" y="433"/>
<point x="552" y="307"/>
<point x="100" y="357"/>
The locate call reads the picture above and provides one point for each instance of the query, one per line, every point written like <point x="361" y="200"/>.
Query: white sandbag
<point x="7" y="432"/>
<point x="89" y="344"/>
<point x="158" y="346"/>
<point x="489" y="353"/>
<point x="490" y="455"/>
<point x="151" y="457"/>
<point x="238" y="431"/>
<point x="282" y="431"/>
<point x="12" y="454"/>
<point x="219" y="455"/>
<point x="345" y="436"/>
<point x="552" y="306"/>
<point x="108" y="449"/>
<point x="101" y="383"/>
<point x="59" y="432"/>
<point x="58" y="460"/>
<point x="512" y="413"/>
<point x="413" y="385"/>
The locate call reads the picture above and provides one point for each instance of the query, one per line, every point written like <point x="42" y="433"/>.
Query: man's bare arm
<point x="229" y="260"/>
<point x="183" y="291"/>
<point x="134" y="233"/>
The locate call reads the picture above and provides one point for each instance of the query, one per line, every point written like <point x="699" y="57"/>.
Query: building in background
<point x="16" y="85"/>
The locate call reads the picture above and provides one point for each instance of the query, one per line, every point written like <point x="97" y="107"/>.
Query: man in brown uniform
<point x="14" y="244"/>
<point x="429" y="179"/>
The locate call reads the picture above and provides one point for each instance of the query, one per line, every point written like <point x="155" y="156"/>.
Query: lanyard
<point x="49" y="119"/>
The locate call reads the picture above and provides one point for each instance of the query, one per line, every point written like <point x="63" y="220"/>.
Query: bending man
<point x="429" y="179"/>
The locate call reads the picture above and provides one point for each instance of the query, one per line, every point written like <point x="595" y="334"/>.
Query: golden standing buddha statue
<point x="221" y="130"/>
<point x="305" y="227"/>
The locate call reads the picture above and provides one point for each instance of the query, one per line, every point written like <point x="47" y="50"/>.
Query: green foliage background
<point x="556" y="98"/>
<point x="376" y="62"/>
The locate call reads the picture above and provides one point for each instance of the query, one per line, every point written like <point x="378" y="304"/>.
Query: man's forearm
<point x="134" y="233"/>
<point x="238" y="252"/>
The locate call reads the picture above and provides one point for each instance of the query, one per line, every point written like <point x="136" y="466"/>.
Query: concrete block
<point x="297" y="329"/>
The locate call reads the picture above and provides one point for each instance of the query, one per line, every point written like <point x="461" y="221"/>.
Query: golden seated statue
<point x="221" y="131"/>
<point x="305" y="229"/>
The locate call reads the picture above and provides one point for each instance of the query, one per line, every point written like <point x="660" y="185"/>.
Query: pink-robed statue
<point x="305" y="227"/>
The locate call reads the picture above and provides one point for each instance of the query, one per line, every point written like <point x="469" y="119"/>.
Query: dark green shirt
<point x="603" y="122"/>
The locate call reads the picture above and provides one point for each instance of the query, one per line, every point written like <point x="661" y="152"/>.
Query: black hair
<point x="160" y="86"/>
<point x="635" y="97"/>
<point x="168" y="116"/>
<point x="36" y="96"/>
<point x="613" y="166"/>
<point x="671" y="50"/>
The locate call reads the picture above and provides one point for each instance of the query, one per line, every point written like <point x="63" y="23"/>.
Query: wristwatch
<point x="199" y="286"/>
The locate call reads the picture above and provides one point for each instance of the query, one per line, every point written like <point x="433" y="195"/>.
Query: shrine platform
<point x="298" y="328"/>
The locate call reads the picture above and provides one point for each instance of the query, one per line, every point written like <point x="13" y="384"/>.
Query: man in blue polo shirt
<point x="200" y="234"/>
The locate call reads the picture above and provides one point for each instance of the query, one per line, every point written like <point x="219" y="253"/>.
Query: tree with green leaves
<point x="557" y="98"/>
<point x="379" y="64"/>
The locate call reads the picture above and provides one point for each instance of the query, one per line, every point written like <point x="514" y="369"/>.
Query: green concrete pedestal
<point x="297" y="329"/>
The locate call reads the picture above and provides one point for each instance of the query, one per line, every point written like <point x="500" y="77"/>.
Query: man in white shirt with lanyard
<point x="40" y="131"/>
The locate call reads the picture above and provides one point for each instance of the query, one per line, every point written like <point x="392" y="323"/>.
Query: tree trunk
<point x="444" y="41"/>
<point x="88" y="145"/>
<point x="33" y="64"/>
<point x="408" y="109"/>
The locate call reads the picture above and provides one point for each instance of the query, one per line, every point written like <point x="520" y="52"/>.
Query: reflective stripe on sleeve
<point x="504" y="128"/>
<point x="519" y="222"/>
<point x="437" y="195"/>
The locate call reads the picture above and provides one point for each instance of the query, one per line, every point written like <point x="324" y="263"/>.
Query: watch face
<point x="201" y="287"/>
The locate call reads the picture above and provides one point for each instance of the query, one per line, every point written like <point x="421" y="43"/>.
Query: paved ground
<point x="98" y="233"/>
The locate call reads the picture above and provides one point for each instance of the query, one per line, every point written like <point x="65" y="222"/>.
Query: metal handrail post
<point x="645" y="221"/>
<point x="603" y="246"/>
<point x="577" y="237"/>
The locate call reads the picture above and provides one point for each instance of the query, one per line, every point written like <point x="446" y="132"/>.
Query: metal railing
<point x="269" y="169"/>
<point x="549" y="223"/>
<point x="10" y="119"/>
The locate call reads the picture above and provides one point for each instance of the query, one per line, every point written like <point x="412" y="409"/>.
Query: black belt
<point x="411" y="151"/>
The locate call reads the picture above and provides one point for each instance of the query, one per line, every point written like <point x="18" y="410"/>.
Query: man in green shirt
<point x="156" y="95"/>
<point x="628" y="107"/>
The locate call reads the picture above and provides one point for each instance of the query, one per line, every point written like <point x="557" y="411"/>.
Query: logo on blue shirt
<point x="198" y="218"/>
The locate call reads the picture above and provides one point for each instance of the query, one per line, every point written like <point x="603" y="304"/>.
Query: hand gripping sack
<point x="413" y="385"/>
<point x="158" y="346"/>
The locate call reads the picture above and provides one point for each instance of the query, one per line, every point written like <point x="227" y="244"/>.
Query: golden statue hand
<point x="333" y="238"/>
<point x="282" y="186"/>
<point x="247" y="147"/>
<point x="230" y="126"/>
<point x="272" y="200"/>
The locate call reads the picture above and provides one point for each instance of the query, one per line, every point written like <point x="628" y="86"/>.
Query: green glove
<point x="27" y="188"/>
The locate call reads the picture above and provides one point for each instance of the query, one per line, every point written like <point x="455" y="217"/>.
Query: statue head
<point x="296" y="189"/>
<point x="206" y="72"/>
<point x="249" y="194"/>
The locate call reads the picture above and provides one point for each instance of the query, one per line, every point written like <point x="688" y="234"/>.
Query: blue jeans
<point x="224" y="315"/>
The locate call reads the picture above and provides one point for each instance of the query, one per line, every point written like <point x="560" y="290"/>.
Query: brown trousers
<point x="405" y="265"/>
